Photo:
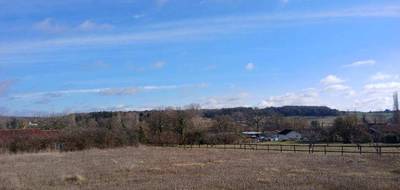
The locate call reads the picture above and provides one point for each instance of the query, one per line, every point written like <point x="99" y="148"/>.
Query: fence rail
<point x="310" y="148"/>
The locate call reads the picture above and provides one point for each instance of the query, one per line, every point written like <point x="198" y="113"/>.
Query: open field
<point x="176" y="168"/>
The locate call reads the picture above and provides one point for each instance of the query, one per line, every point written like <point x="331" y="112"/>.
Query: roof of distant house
<point x="251" y="133"/>
<point x="285" y="132"/>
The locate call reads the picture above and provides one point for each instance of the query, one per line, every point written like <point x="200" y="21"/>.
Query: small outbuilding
<point x="252" y="134"/>
<point x="258" y="136"/>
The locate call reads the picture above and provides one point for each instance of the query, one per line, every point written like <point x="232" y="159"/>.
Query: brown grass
<point x="173" y="168"/>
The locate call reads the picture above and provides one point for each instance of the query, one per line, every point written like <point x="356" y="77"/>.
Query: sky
<point x="98" y="55"/>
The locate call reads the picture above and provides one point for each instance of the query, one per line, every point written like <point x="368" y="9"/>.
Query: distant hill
<point x="286" y="111"/>
<point x="306" y="111"/>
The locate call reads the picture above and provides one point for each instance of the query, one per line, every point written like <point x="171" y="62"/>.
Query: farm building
<point x="259" y="136"/>
<point x="252" y="134"/>
<point x="286" y="135"/>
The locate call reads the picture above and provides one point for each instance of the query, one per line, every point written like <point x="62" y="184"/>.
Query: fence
<point x="308" y="148"/>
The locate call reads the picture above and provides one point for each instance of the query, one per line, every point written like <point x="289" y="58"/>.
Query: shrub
<point x="85" y="138"/>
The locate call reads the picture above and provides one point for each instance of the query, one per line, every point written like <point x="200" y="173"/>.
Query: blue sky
<point x="85" y="55"/>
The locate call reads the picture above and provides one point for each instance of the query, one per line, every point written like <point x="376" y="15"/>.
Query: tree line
<point x="190" y="125"/>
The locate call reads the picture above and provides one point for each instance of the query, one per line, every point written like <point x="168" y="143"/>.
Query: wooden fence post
<point x="325" y="149"/>
<point x="281" y="148"/>
<point x="268" y="147"/>
<point x="342" y="150"/>
<point x="294" y="148"/>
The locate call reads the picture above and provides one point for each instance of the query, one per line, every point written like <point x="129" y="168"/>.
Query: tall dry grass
<point x="171" y="168"/>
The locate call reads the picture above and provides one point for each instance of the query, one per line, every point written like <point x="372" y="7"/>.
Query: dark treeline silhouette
<point x="316" y="111"/>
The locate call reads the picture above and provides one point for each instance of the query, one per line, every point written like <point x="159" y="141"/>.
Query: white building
<point x="287" y="135"/>
<point x="30" y="124"/>
<point x="252" y="134"/>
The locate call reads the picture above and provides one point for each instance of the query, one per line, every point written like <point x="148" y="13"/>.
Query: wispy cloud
<point x="191" y="28"/>
<point x="138" y="16"/>
<point x="331" y="79"/>
<point x="3" y="110"/>
<point x="335" y="85"/>
<point x="161" y="3"/>
<point x="384" y="76"/>
<point x="340" y="89"/>
<point x="284" y="1"/>
<point x="250" y="66"/>
<point x="306" y="97"/>
<point x="97" y="65"/>
<point x="126" y="91"/>
<point x="383" y="87"/>
<point x="89" y="25"/>
<point x="236" y="100"/>
<point x="368" y="62"/>
<point x="159" y="64"/>
<point x="48" y="25"/>
<point x="5" y="85"/>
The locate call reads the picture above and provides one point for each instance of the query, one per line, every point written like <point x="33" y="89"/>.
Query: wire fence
<point x="378" y="149"/>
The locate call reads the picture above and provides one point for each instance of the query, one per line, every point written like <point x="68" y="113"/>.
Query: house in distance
<point x="287" y="135"/>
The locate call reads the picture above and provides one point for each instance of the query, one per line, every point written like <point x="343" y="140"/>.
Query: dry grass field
<point x="174" y="168"/>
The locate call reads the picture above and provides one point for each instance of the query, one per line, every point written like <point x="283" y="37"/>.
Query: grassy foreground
<point x="174" y="168"/>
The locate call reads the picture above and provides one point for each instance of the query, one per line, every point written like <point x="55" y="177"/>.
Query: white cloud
<point x="372" y="97"/>
<point x="308" y="97"/>
<point x="238" y="100"/>
<point x="250" y="66"/>
<point x="383" y="76"/>
<point x="339" y="90"/>
<point x="159" y="64"/>
<point x="368" y="62"/>
<point x="334" y="86"/>
<point x="331" y="79"/>
<point x="89" y="25"/>
<point x="384" y="87"/>
<point x="373" y="103"/>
